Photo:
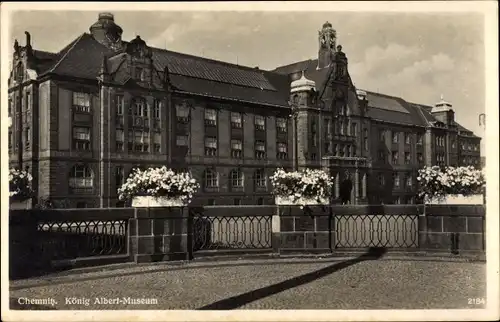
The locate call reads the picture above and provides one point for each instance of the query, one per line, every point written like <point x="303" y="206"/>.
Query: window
<point x="440" y="159"/>
<point x="396" y="180"/>
<point x="237" y="201"/>
<point x="335" y="150"/>
<point x="157" y="109"/>
<point x="382" y="135"/>
<point x="313" y="127"/>
<point x="341" y="150"/>
<point x="327" y="147"/>
<point x="347" y="150"/>
<point x="260" y="123"/>
<point x="395" y="137"/>
<point x="365" y="139"/>
<point x="420" y="139"/>
<point x="119" y="177"/>
<point x="120" y="138"/>
<point x="236" y="120"/>
<point x="397" y="200"/>
<point x="282" y="151"/>
<point x="157" y="142"/>
<point x="138" y="141"/>
<point x="236" y="149"/>
<point x="381" y="179"/>
<point x="210" y="117"/>
<point x="381" y="156"/>
<point x="409" y="181"/>
<point x="328" y="127"/>
<point x="260" y="178"/>
<point x="260" y="149"/>
<point x="119" y="105"/>
<point x="81" y="138"/>
<point x="10" y="139"/>
<point x="236" y="178"/>
<point x="281" y="125"/>
<point x="407" y="158"/>
<point x="407" y="138"/>
<point x="9" y="111"/>
<point x="395" y="157"/>
<point x="182" y="113"/>
<point x="81" y="102"/>
<point x="354" y="129"/>
<point x="260" y="201"/>
<point x="420" y="157"/>
<point x="211" y="179"/>
<point x="140" y="108"/>
<point x="27" y="137"/>
<point x="81" y="176"/>
<point x="139" y="73"/>
<point x="181" y="140"/>
<point x="210" y="146"/>
<point x="28" y="101"/>
<point x="314" y="139"/>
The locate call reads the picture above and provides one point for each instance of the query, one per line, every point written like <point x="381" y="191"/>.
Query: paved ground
<point x="266" y="284"/>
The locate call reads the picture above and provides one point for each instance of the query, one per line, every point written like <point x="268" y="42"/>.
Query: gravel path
<point x="266" y="284"/>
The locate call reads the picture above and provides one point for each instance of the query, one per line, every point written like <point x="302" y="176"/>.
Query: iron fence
<point x="73" y="239"/>
<point x="389" y="231"/>
<point x="227" y="230"/>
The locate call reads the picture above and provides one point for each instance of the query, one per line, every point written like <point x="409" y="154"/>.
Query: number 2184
<point x="476" y="301"/>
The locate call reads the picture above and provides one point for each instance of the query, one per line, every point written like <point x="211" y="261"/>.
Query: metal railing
<point x="73" y="239"/>
<point x="231" y="227"/>
<point x="389" y="231"/>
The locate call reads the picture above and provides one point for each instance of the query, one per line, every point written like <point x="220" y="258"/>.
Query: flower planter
<point x="476" y="199"/>
<point x="150" y="201"/>
<point x="20" y="204"/>
<point x="301" y="201"/>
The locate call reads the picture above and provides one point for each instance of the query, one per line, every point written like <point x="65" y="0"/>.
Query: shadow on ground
<point x="248" y="297"/>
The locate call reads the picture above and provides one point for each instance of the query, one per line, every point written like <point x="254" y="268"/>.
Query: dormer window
<point x="140" y="74"/>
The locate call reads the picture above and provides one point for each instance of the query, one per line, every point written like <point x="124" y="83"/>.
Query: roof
<point x="83" y="58"/>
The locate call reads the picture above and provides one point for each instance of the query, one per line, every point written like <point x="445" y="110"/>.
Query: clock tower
<point x="106" y="32"/>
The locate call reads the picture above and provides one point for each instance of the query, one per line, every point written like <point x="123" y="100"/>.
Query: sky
<point x="416" y="56"/>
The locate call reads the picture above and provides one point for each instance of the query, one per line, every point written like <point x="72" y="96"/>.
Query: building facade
<point x="84" y="117"/>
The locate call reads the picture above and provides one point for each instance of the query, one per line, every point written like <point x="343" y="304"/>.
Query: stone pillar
<point x="303" y="231"/>
<point x="160" y="234"/>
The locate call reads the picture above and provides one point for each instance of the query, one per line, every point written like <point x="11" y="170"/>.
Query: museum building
<point x="84" y="117"/>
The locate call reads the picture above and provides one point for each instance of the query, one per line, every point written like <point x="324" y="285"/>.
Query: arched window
<point x="81" y="176"/>
<point x="211" y="179"/>
<point x="260" y="178"/>
<point x="236" y="177"/>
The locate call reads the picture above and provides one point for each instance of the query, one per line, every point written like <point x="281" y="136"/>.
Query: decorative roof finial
<point x="442" y="97"/>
